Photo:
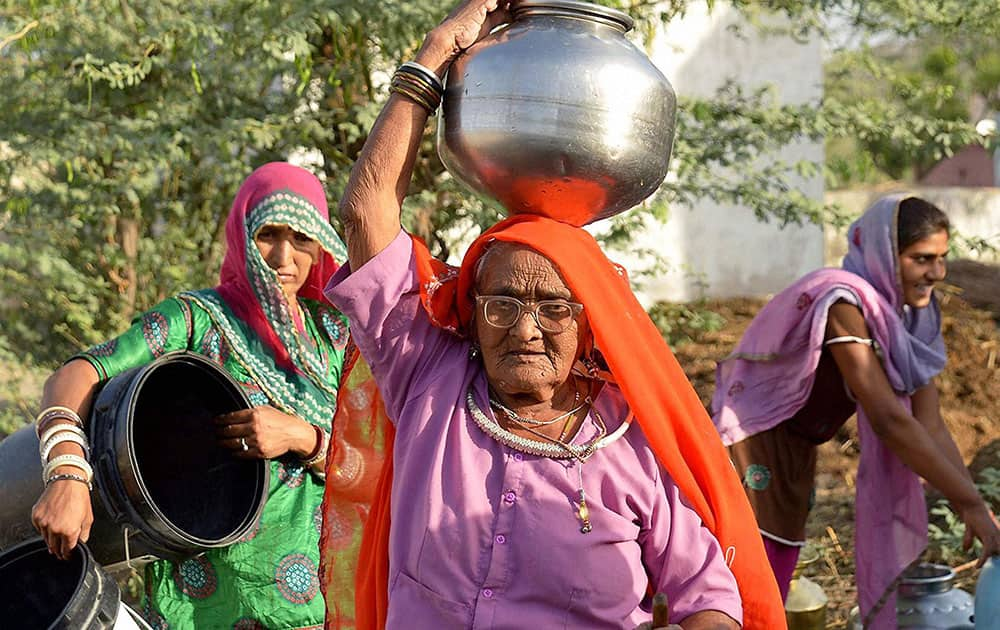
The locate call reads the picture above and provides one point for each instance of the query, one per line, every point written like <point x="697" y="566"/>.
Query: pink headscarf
<point x="235" y="286"/>
<point x="769" y="377"/>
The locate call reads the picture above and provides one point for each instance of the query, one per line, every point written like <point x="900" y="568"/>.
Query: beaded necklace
<point x="526" y="422"/>
<point x="552" y="448"/>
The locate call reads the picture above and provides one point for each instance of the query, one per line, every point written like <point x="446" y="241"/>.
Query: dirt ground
<point x="970" y="401"/>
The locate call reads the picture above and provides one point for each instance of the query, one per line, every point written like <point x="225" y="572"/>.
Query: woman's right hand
<point x="469" y="22"/>
<point x="63" y="516"/>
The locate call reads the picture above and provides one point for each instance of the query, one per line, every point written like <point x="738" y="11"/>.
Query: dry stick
<point x="830" y="563"/>
<point x="964" y="567"/>
<point x="836" y="541"/>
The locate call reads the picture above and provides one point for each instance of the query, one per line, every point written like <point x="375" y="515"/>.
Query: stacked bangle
<point x="68" y="460"/>
<point x="54" y="412"/>
<point x="44" y="448"/>
<point x="68" y="477"/>
<point x="318" y="454"/>
<point x="419" y="84"/>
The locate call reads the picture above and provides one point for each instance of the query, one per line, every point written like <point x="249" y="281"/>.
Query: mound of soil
<point x="970" y="403"/>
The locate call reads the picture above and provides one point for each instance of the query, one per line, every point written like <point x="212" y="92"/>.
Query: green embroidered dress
<point x="269" y="578"/>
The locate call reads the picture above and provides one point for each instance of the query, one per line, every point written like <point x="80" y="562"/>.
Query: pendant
<point x="583" y="513"/>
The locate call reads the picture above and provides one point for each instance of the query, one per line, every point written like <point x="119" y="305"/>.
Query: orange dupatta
<point x="665" y="405"/>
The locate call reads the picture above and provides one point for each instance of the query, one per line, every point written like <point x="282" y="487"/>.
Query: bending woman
<point x="865" y="338"/>
<point x="551" y="465"/>
<point x="268" y="326"/>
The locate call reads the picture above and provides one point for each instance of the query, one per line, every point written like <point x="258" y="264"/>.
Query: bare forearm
<point x="709" y="620"/>
<point x="942" y="437"/>
<point x="72" y="385"/>
<point x="380" y="178"/>
<point x="916" y="448"/>
<point x="926" y="409"/>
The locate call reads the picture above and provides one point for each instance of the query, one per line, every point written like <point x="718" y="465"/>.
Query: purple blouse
<point x="484" y="536"/>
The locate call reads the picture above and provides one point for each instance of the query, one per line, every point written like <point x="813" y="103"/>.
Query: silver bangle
<point x="426" y="73"/>
<point x="59" y="438"/>
<point x="68" y="460"/>
<point x="68" y="477"/>
<point x="59" y="428"/>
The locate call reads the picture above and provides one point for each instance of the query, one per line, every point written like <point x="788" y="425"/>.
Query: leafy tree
<point x="923" y="61"/>
<point x="126" y="127"/>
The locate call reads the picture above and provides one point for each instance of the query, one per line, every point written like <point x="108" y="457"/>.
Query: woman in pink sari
<point x="867" y="339"/>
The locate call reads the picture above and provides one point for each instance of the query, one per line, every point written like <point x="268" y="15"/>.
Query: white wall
<point x="727" y="247"/>
<point x="973" y="212"/>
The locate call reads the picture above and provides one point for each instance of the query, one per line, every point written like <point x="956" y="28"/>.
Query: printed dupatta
<point x="277" y="193"/>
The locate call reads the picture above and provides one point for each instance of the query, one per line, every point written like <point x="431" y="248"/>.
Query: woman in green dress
<point x="267" y="324"/>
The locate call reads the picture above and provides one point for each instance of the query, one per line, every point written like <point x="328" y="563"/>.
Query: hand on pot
<point x="264" y="432"/>
<point x="469" y="22"/>
<point x="982" y="524"/>
<point x="63" y="515"/>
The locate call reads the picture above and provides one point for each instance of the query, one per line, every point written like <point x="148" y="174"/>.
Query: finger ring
<point x="243" y="444"/>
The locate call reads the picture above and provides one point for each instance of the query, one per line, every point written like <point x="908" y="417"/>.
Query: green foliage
<point x="946" y="530"/>
<point x="684" y="323"/>
<point x="925" y="63"/>
<point x="20" y="386"/>
<point x="126" y="128"/>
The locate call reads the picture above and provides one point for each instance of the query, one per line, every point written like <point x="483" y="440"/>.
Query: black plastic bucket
<point x="163" y="480"/>
<point x="37" y="590"/>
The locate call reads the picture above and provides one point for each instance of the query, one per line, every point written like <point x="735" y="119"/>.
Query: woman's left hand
<point x="264" y="432"/>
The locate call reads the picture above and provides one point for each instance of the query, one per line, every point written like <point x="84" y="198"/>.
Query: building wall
<point x="722" y="250"/>
<point x="973" y="212"/>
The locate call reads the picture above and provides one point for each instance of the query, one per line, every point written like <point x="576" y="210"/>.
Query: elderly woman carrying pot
<point x="518" y="490"/>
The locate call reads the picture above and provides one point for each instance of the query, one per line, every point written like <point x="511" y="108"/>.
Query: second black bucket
<point x="42" y="592"/>
<point x="163" y="485"/>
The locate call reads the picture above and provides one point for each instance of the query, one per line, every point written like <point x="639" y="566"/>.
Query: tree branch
<point x="18" y="35"/>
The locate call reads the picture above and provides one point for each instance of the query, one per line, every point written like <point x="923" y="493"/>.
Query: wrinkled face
<point x="524" y="359"/>
<point x="288" y="252"/>
<point x="921" y="265"/>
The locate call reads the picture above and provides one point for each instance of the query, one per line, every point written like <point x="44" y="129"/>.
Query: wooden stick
<point x="965" y="567"/>
<point x="836" y="541"/>
<point x="830" y="563"/>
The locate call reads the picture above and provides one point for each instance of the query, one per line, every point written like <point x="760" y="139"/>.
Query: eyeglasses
<point x="552" y="316"/>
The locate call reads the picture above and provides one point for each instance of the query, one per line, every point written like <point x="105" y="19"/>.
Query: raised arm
<point x="380" y="178"/>
<point x="919" y="447"/>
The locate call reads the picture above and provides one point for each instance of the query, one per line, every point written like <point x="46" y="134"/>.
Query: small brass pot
<point x="805" y="606"/>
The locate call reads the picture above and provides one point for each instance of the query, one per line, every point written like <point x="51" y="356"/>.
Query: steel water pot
<point x="927" y="598"/>
<point x="557" y="113"/>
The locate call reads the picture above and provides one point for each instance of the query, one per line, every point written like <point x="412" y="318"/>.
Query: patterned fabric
<point x="239" y="586"/>
<point x="290" y="196"/>
<point x="269" y="578"/>
<point x="778" y="468"/>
